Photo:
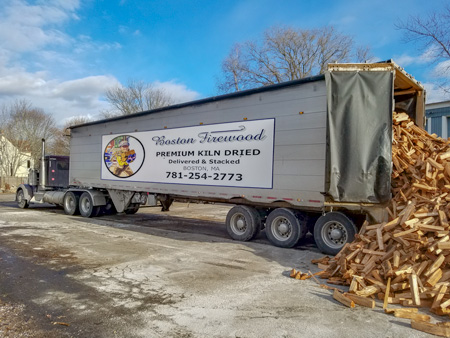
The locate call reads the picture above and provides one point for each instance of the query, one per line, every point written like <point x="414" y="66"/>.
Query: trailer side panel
<point x="299" y="144"/>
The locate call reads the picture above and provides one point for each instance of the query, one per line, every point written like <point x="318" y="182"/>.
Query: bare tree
<point x="60" y="145"/>
<point x="432" y="34"/>
<point x="285" y="54"/>
<point x="135" y="97"/>
<point x="233" y="70"/>
<point x="24" y="126"/>
<point x="12" y="157"/>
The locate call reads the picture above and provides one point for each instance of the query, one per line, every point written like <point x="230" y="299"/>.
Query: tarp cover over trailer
<point x="359" y="136"/>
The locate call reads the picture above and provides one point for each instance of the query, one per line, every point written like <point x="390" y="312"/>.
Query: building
<point x="13" y="162"/>
<point x="438" y="118"/>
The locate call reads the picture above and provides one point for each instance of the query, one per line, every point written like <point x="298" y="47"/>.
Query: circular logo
<point x="124" y="156"/>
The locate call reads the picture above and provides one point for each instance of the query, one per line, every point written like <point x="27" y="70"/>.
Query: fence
<point x="10" y="183"/>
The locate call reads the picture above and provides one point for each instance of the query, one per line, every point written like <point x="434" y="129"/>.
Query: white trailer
<point x="312" y="154"/>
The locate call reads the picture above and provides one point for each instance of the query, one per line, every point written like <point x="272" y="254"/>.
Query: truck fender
<point x="98" y="197"/>
<point x="27" y="191"/>
<point x="120" y="198"/>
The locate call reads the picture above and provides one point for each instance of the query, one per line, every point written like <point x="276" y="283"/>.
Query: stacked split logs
<point x="406" y="260"/>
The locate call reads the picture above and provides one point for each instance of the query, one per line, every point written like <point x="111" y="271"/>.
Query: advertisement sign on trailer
<point x="236" y="154"/>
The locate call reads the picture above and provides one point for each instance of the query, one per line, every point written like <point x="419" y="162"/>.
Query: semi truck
<point x="313" y="154"/>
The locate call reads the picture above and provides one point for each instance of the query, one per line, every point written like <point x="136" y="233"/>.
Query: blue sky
<point x="61" y="55"/>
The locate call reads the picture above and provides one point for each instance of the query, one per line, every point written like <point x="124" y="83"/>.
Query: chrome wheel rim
<point x="334" y="234"/>
<point x="20" y="198"/>
<point x="85" y="204"/>
<point x="70" y="203"/>
<point x="281" y="228"/>
<point x="238" y="224"/>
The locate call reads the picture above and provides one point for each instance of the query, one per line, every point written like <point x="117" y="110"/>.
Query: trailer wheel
<point x="71" y="203"/>
<point x="21" y="201"/>
<point x="132" y="209"/>
<point x="87" y="208"/>
<point x="284" y="227"/>
<point x="332" y="231"/>
<point x="243" y="223"/>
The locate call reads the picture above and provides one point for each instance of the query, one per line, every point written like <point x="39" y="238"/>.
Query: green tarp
<point x="359" y="139"/>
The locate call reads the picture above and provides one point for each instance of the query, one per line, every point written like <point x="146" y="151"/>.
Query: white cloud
<point x="405" y="60"/>
<point x="127" y="30"/>
<point x="78" y="97"/>
<point x="178" y="91"/>
<point x="435" y="93"/>
<point x="431" y="53"/>
<point x="436" y="74"/>
<point x="85" y="44"/>
<point x="38" y="60"/>
<point x="85" y="89"/>
<point x="427" y="57"/>
<point x="50" y="57"/>
<point x="123" y="29"/>
<point x="81" y="96"/>
<point x="345" y="20"/>
<point x="442" y="70"/>
<point x="36" y="29"/>
<point x="25" y="27"/>
<point x="19" y="83"/>
<point x="70" y="5"/>
<point x="39" y="28"/>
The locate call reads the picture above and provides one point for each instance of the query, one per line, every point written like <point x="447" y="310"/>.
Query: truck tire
<point x="332" y="231"/>
<point x="71" y="203"/>
<point x="285" y="227"/>
<point x="132" y="209"/>
<point x="87" y="208"/>
<point x="21" y="201"/>
<point x="243" y="223"/>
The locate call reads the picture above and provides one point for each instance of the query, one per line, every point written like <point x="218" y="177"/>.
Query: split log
<point x="405" y="260"/>
<point x="343" y="299"/>
<point x="436" y="329"/>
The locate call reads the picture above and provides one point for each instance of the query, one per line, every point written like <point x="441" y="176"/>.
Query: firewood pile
<point x="406" y="260"/>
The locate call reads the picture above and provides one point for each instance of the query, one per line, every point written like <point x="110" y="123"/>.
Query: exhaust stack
<point x="43" y="171"/>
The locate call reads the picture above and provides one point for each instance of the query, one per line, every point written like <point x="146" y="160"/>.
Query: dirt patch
<point x="14" y="322"/>
<point x="38" y="251"/>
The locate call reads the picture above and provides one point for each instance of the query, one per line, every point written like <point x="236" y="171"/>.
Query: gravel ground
<point x="154" y="274"/>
